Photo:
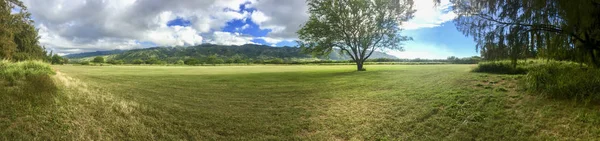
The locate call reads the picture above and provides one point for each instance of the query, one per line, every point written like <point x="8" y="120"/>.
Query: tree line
<point x="520" y="29"/>
<point x="18" y="35"/>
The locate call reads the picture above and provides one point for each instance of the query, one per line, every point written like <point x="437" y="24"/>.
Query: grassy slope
<point x="427" y="102"/>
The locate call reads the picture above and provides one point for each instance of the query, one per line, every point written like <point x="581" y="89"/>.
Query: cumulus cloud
<point x="283" y="17"/>
<point x="429" y="15"/>
<point x="227" y="38"/>
<point x="74" y="25"/>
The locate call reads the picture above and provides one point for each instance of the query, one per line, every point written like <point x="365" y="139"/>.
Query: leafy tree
<point x="356" y="27"/>
<point x="98" y="59"/>
<point x="138" y="61"/>
<point x="18" y="36"/>
<point x="558" y="29"/>
<point x="57" y="59"/>
<point x="214" y="59"/>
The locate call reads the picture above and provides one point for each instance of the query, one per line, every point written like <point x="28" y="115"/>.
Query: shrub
<point x="13" y="72"/>
<point x="180" y="62"/>
<point x="500" y="67"/>
<point x="564" y="80"/>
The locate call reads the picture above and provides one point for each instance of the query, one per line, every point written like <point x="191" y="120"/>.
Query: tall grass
<point x="505" y="67"/>
<point x="564" y="80"/>
<point x="26" y="70"/>
<point x="553" y="79"/>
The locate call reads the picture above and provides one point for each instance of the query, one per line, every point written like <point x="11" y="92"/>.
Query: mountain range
<point x="251" y="51"/>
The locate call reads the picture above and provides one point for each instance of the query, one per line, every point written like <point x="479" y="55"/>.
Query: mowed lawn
<point x="397" y="102"/>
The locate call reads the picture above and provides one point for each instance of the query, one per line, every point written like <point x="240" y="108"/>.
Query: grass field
<point x="396" y="102"/>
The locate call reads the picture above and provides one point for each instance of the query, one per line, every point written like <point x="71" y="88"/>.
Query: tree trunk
<point x="359" y="66"/>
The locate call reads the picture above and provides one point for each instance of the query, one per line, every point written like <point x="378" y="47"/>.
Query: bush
<point x="500" y="67"/>
<point x="564" y="80"/>
<point x="14" y="72"/>
<point x="180" y="62"/>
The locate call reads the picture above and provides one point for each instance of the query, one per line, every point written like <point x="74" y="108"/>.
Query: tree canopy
<point x="515" y="29"/>
<point x="18" y="36"/>
<point x="356" y="28"/>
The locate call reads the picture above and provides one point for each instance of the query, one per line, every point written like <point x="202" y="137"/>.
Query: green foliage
<point x="517" y="29"/>
<point x="58" y="60"/>
<point x="564" y="80"/>
<point x="500" y="67"/>
<point x="356" y="27"/>
<point x="180" y="62"/>
<point x="276" y="61"/>
<point x="467" y="60"/>
<point x="19" y="71"/>
<point x="18" y="36"/>
<point x="116" y="62"/>
<point x="192" y="61"/>
<point x="98" y="59"/>
<point x="138" y="61"/>
<point x="84" y="62"/>
<point x="155" y="61"/>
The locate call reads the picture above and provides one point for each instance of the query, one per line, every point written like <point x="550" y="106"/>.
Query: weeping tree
<point x="18" y="36"/>
<point x="515" y="29"/>
<point x="355" y="28"/>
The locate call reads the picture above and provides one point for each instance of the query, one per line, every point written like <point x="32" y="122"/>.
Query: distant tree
<point x="99" y="59"/>
<point x="154" y="60"/>
<point x="138" y="61"/>
<point x="356" y="27"/>
<point x="85" y="62"/>
<point x="57" y="59"/>
<point x="214" y="59"/>
<point x="192" y="61"/>
<point x="116" y="62"/>
<point x="277" y="61"/>
<point x="180" y="62"/>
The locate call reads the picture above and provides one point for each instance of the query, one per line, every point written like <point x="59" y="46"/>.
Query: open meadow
<point x="296" y="102"/>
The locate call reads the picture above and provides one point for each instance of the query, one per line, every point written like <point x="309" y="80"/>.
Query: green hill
<point x="249" y="51"/>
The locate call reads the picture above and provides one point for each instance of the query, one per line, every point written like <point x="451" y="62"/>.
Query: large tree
<point x="18" y="36"/>
<point x="356" y="28"/>
<point x="553" y="29"/>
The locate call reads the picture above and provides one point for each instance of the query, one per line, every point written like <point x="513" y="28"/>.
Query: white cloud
<point x="259" y="17"/>
<point x="283" y="17"/>
<point x="429" y="15"/>
<point x="227" y="38"/>
<point x="74" y="25"/>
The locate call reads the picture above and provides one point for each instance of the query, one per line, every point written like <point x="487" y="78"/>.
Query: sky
<point x="75" y="26"/>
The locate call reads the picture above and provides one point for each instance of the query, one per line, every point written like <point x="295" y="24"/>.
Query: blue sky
<point x="73" y="26"/>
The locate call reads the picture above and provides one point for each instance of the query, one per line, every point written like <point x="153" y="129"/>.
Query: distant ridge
<point x="247" y="51"/>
